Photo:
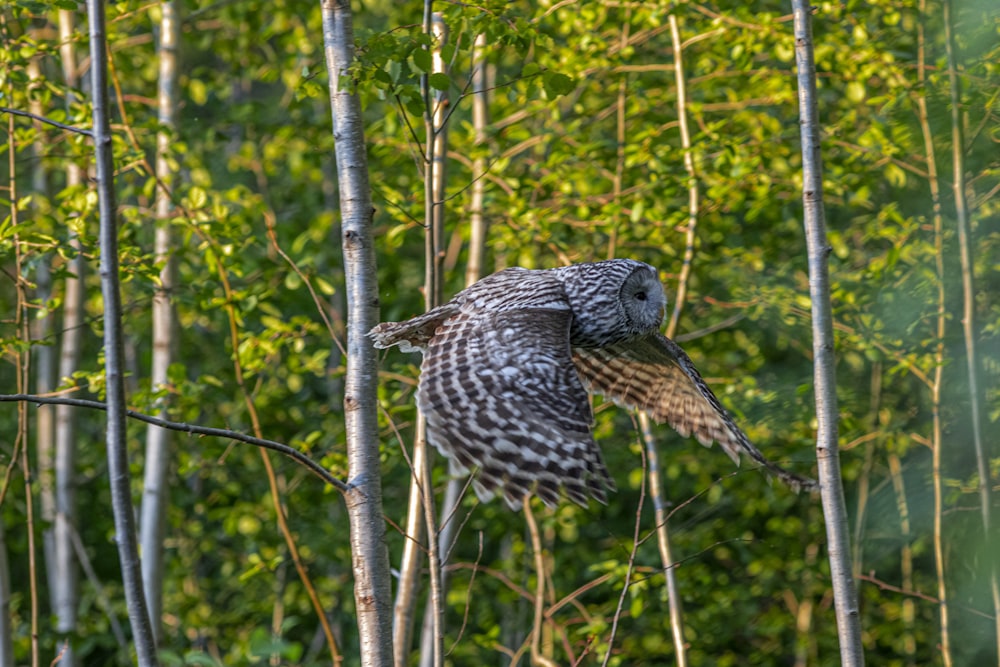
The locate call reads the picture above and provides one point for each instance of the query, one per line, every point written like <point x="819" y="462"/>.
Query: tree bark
<point x="364" y="498"/>
<point x="118" y="465"/>
<point x="155" y="492"/>
<point x="42" y="330"/>
<point x="983" y="455"/>
<point x="65" y="593"/>
<point x="824" y="374"/>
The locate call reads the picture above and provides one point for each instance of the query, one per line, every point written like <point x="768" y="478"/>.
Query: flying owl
<point x="507" y="364"/>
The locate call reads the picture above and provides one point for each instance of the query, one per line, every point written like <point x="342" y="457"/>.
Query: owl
<point x="508" y="362"/>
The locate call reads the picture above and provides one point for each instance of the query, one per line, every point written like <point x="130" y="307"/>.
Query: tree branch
<point x="47" y="121"/>
<point x="192" y="429"/>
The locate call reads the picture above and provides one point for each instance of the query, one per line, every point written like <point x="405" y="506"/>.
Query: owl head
<point x="612" y="301"/>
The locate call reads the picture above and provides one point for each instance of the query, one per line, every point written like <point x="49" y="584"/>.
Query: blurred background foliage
<point x="584" y="163"/>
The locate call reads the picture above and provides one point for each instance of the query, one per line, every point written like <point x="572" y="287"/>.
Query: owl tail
<point x="413" y="334"/>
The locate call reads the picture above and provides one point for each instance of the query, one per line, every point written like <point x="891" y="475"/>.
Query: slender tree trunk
<point x="805" y="649"/>
<point x="652" y="455"/>
<point x="118" y="465"/>
<point x="44" y="352"/>
<point x="65" y="593"/>
<point x="420" y="506"/>
<point x="434" y="180"/>
<point x="982" y="452"/>
<point x="667" y="561"/>
<point x="6" y="625"/>
<point x="448" y="522"/>
<point x="620" y="140"/>
<point x="22" y="370"/>
<point x="410" y="563"/>
<point x="434" y="161"/>
<point x="941" y="318"/>
<point x="827" y="449"/>
<point x="155" y="491"/>
<point x="539" y="657"/>
<point x="44" y="361"/>
<point x="372" y="592"/>
<point x="478" y="226"/>
<point x="905" y="560"/>
<point x="689" y="168"/>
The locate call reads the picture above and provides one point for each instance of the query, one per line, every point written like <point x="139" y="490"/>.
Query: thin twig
<point x="192" y="429"/>
<point x="712" y="328"/>
<point x="47" y="121"/>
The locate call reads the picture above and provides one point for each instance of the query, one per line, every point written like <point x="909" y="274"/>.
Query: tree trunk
<point x="824" y="375"/>
<point x="42" y="329"/>
<point x="118" y="467"/>
<point x="6" y="625"/>
<point x="965" y="244"/>
<point x="155" y="491"/>
<point x="65" y="592"/>
<point x="372" y="590"/>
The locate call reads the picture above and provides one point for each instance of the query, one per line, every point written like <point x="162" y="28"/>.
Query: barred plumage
<point x="508" y="361"/>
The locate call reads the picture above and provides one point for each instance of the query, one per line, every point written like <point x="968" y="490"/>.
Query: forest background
<point x="587" y="151"/>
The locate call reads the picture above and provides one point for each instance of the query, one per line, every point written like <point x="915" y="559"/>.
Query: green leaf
<point x="197" y="197"/>
<point x="856" y="91"/>
<point x="324" y="286"/>
<point x="557" y="84"/>
<point x="198" y="91"/>
<point x="422" y="59"/>
<point x="895" y="175"/>
<point x="439" y="81"/>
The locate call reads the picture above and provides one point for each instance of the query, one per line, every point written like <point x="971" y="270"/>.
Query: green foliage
<point x="584" y="162"/>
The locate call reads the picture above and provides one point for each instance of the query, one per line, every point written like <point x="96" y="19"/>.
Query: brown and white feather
<point x="652" y="373"/>
<point x="500" y="392"/>
<point x="508" y="361"/>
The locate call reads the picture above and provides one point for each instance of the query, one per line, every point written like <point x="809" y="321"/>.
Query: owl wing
<point x="413" y="334"/>
<point x="502" y="398"/>
<point x="653" y="374"/>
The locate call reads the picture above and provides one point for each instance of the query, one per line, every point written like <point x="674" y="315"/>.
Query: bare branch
<point x="47" y="121"/>
<point x="192" y="429"/>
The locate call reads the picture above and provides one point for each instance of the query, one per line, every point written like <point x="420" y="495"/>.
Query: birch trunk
<point x="364" y="498"/>
<point x="65" y="592"/>
<point x="6" y="624"/>
<point x="824" y="374"/>
<point x="981" y="448"/>
<point x="44" y="361"/>
<point x="155" y="492"/>
<point x="118" y="468"/>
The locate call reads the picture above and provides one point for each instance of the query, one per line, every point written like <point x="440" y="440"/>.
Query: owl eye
<point x="641" y="296"/>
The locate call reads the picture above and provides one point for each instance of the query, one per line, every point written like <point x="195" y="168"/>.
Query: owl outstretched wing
<point x="653" y="374"/>
<point x="502" y="397"/>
